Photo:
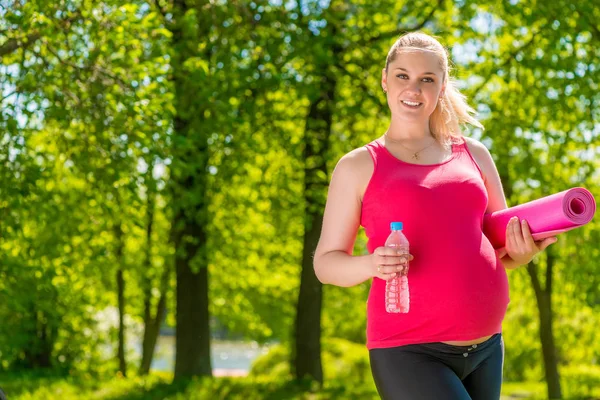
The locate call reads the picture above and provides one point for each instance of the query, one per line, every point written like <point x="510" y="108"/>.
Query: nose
<point x="414" y="88"/>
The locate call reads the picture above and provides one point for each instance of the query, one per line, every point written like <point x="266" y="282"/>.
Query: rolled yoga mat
<point x="546" y="217"/>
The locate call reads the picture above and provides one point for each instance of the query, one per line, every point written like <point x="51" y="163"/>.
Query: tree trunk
<point x="151" y="322"/>
<point x="121" y="300"/>
<point x="307" y="353"/>
<point x="307" y="360"/>
<point x="151" y="330"/>
<point x="39" y="353"/>
<point x="192" y="351"/>
<point x="44" y="357"/>
<point x="147" y="345"/>
<point x="188" y="176"/>
<point x="544" y="301"/>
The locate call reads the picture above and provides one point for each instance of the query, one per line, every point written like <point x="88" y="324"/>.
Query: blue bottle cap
<point x="396" y="226"/>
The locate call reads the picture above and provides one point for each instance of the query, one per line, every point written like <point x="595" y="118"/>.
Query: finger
<point x="501" y="253"/>
<point x="510" y="236"/>
<point x="392" y="251"/>
<point x="518" y="234"/>
<point x="382" y="274"/>
<point x="390" y="256"/>
<point x="547" y="242"/>
<point x="529" y="242"/>
<point x="397" y="269"/>
<point x="402" y="260"/>
<point x="396" y="260"/>
<point x="390" y="259"/>
<point x="389" y="269"/>
<point x="385" y="251"/>
<point x="405" y="259"/>
<point x="387" y="277"/>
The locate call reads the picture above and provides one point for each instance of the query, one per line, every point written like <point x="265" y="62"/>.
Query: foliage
<point x="76" y="158"/>
<point x="86" y="113"/>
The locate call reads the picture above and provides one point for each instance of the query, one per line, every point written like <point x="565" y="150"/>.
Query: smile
<point x="412" y="104"/>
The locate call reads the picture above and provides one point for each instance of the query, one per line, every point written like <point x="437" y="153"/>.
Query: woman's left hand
<point x="520" y="245"/>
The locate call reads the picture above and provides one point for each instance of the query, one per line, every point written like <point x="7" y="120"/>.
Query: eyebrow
<point x="425" y="73"/>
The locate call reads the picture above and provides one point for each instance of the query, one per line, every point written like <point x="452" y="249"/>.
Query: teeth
<point x="411" y="103"/>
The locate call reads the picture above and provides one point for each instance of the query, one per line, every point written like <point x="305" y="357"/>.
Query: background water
<point x="227" y="357"/>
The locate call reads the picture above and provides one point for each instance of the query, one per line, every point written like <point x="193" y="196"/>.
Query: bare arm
<point x="520" y="246"/>
<point x="333" y="260"/>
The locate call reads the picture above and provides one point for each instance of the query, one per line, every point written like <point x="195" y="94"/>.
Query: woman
<point x="424" y="173"/>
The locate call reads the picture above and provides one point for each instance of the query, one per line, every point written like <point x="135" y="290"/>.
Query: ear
<point x="443" y="91"/>
<point x="383" y="79"/>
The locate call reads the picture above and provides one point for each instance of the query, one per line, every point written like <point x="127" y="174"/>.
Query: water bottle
<point x="397" y="296"/>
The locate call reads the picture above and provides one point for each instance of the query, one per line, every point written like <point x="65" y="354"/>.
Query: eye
<point x="428" y="80"/>
<point x="402" y="76"/>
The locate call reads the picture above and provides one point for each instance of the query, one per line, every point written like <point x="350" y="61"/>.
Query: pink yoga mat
<point x="546" y="217"/>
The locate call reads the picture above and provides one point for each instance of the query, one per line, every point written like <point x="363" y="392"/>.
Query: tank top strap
<point x="460" y="146"/>
<point x="374" y="150"/>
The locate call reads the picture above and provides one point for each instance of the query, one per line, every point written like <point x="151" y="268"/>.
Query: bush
<point x="580" y="382"/>
<point x="346" y="361"/>
<point x="274" y="364"/>
<point x="342" y="360"/>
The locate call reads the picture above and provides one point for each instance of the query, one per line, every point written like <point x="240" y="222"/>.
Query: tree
<point x="549" y="72"/>
<point x="81" y="129"/>
<point x="332" y="53"/>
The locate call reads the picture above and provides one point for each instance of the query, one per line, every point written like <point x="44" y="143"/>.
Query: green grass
<point x="42" y="385"/>
<point x="524" y="390"/>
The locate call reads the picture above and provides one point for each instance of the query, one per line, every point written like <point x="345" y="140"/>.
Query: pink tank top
<point x="458" y="286"/>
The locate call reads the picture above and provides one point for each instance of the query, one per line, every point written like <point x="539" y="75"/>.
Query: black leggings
<point x="439" y="371"/>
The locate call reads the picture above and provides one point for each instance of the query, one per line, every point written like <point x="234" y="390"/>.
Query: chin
<point x="411" y="117"/>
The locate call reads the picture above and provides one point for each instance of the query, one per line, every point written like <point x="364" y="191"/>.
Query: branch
<point x="73" y="97"/>
<point x="160" y="9"/>
<point x="92" y="68"/>
<point x="398" y="32"/>
<point x="507" y="61"/>
<point x="595" y="30"/>
<point x="14" y="44"/>
<point x="7" y="96"/>
<point x="362" y="85"/>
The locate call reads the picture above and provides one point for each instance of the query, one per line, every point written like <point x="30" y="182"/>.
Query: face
<point x="414" y="84"/>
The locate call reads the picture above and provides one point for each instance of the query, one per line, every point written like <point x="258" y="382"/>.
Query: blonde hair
<point x="452" y="109"/>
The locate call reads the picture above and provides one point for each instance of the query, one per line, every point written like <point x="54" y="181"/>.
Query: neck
<point x="408" y="131"/>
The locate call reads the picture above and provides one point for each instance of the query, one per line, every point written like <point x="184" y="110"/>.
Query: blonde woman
<point x="424" y="173"/>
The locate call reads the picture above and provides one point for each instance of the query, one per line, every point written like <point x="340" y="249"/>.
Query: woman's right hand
<point x="387" y="262"/>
